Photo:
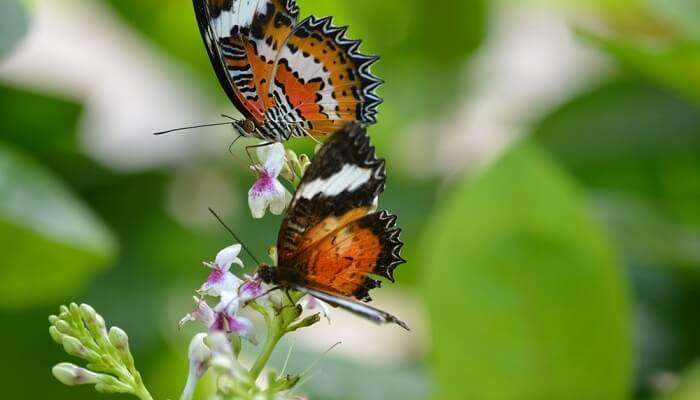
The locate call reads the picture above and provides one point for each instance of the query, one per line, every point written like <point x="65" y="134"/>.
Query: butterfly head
<point x="267" y="273"/>
<point x="244" y="127"/>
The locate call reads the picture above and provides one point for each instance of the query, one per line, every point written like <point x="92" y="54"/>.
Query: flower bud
<point x="63" y="327"/>
<point x="53" y="319"/>
<point x="119" y="338"/>
<point x="88" y="313"/>
<point x="199" y="355"/>
<point x="71" y="375"/>
<point x="63" y="311"/>
<point x="73" y="347"/>
<point x="56" y="335"/>
<point x="308" y="321"/>
<point x="272" y="253"/>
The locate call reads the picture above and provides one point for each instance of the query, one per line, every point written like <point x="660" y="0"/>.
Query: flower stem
<point x="274" y="334"/>
<point x="142" y="393"/>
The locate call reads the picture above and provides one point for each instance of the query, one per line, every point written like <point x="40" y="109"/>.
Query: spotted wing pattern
<point x="332" y="238"/>
<point x="242" y="38"/>
<point x="322" y="80"/>
<point x="291" y="79"/>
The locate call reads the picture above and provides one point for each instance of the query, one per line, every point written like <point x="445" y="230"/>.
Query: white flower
<point x="221" y="279"/>
<point x="267" y="191"/>
<point x="311" y="303"/>
<point x="223" y="317"/>
<point x="199" y="356"/>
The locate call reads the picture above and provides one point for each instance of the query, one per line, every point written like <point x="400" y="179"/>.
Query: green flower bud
<point x="71" y="375"/>
<point x="63" y="311"/>
<point x="308" y="321"/>
<point x="63" y="327"/>
<point x="56" y="335"/>
<point x="73" y="347"/>
<point x="119" y="338"/>
<point x="87" y="313"/>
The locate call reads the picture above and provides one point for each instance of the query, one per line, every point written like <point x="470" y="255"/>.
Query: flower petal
<point x="242" y="327"/>
<point x="203" y="313"/>
<point x="257" y="204"/>
<point x="281" y="200"/>
<point x="272" y="158"/>
<point x="220" y="281"/>
<point x="228" y="256"/>
<point x="268" y="192"/>
<point x="251" y="290"/>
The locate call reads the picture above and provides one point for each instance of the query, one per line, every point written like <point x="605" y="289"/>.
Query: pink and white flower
<point x="222" y="318"/>
<point x="267" y="191"/>
<point x="221" y="279"/>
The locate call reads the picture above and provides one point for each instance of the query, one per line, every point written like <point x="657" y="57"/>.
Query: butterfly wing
<point x="332" y="240"/>
<point x="242" y="38"/>
<point x="322" y="80"/>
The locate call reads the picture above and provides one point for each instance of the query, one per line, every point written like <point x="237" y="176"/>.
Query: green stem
<point x="142" y="393"/>
<point x="274" y="334"/>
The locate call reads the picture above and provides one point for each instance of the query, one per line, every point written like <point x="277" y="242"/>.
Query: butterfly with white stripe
<point x="333" y="239"/>
<point x="287" y="78"/>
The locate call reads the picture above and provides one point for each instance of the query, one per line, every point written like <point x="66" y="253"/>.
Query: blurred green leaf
<point x="640" y="147"/>
<point x="52" y="242"/>
<point x="689" y="386"/>
<point x="525" y="295"/>
<point x="670" y="62"/>
<point x="14" y="23"/>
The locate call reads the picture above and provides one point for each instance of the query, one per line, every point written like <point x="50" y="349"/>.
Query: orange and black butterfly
<point x="333" y="238"/>
<point x="287" y="78"/>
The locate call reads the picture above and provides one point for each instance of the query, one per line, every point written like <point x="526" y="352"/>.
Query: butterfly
<point x="333" y="238"/>
<point x="287" y="78"/>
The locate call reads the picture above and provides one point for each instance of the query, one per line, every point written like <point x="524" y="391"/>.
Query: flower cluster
<point x="83" y="334"/>
<point x="220" y="303"/>
<point x="226" y="329"/>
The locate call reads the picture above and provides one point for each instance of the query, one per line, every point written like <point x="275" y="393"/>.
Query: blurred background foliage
<point x="564" y="265"/>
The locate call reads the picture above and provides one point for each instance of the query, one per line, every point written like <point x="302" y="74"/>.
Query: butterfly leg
<point x="262" y="295"/>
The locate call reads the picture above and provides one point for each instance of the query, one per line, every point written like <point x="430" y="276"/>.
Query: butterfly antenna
<point x="229" y="117"/>
<point x="286" y="360"/>
<point x="319" y="358"/>
<point x="191" y="127"/>
<point x="247" y="250"/>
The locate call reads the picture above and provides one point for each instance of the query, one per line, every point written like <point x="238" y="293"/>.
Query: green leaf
<point x="51" y="242"/>
<point x="637" y="147"/>
<point x="524" y="292"/>
<point x="673" y="63"/>
<point x="14" y="24"/>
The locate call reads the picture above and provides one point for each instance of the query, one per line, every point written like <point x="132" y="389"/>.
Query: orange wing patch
<point x="342" y="261"/>
<point x="324" y="79"/>
<point x="340" y="254"/>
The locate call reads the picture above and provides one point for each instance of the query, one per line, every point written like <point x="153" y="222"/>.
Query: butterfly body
<point x="333" y="240"/>
<point x="287" y="78"/>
